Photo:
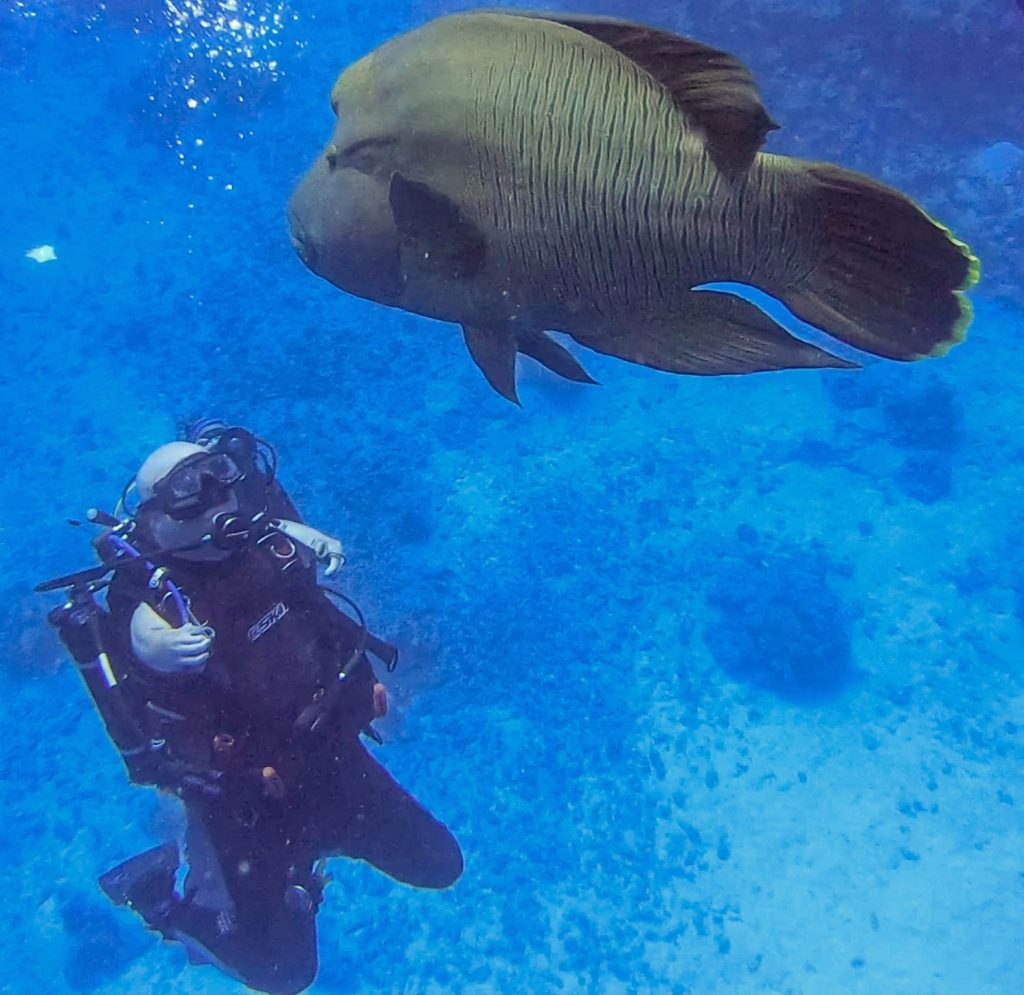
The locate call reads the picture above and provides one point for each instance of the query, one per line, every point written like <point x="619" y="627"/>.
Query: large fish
<point x="519" y="173"/>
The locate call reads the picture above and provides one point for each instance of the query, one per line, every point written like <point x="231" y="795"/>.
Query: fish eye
<point x="331" y="155"/>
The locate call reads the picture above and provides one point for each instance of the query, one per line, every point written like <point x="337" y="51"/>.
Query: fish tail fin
<point x="885" y="277"/>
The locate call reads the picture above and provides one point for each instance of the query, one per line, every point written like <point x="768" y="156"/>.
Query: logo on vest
<point x="268" y="621"/>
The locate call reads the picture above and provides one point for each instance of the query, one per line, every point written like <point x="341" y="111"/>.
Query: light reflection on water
<point x="196" y="61"/>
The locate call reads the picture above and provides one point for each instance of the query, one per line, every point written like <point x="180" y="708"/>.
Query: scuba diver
<point x="228" y="675"/>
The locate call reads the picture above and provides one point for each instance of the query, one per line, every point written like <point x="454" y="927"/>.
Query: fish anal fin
<point x="715" y="334"/>
<point x="546" y="351"/>
<point x="432" y="225"/>
<point x="493" y="348"/>
<point x="712" y="88"/>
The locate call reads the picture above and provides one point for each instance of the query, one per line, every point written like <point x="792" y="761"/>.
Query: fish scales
<point x="607" y="198"/>
<point x="586" y="153"/>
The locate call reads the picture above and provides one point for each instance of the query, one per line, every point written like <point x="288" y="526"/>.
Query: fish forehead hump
<point x="440" y="54"/>
<point x="421" y="91"/>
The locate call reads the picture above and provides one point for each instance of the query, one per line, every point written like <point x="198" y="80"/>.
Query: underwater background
<point x="718" y="681"/>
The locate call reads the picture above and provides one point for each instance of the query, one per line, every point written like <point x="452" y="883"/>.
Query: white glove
<point x="171" y="651"/>
<point x="325" y="548"/>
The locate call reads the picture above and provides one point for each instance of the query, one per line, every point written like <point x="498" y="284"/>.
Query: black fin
<point x="712" y="88"/>
<point x="435" y="229"/>
<point x="886" y="278"/>
<point x="493" y="349"/>
<point x="143" y="880"/>
<point x="718" y="334"/>
<point x="553" y="355"/>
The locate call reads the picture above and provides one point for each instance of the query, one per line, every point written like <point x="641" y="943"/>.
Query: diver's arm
<point x="164" y="648"/>
<point x="325" y="548"/>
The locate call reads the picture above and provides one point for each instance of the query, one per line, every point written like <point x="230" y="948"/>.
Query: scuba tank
<point x="79" y="624"/>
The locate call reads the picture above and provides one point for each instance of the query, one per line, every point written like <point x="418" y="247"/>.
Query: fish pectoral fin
<point x="553" y="355"/>
<point x="712" y="88"/>
<point x="493" y="348"/>
<point x="433" y="228"/>
<point x="717" y="333"/>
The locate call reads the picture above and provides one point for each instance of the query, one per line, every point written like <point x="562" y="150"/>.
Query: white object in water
<point x="41" y="254"/>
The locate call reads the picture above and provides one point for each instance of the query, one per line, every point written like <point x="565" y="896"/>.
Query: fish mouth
<point x="301" y="243"/>
<point x="305" y="251"/>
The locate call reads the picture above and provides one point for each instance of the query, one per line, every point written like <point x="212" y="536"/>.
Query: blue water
<point x="718" y="682"/>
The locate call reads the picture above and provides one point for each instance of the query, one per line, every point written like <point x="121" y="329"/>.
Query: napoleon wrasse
<point x="519" y="173"/>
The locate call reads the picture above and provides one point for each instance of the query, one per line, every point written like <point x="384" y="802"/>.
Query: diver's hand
<point x="171" y="651"/>
<point x="325" y="548"/>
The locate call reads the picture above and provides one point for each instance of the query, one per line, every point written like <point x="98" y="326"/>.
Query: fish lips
<point x="303" y="244"/>
<point x="342" y="228"/>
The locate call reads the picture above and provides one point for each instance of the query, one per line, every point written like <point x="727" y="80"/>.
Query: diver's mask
<point x="212" y="502"/>
<point x="197" y="484"/>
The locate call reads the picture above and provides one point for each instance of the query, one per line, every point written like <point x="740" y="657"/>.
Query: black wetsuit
<point x="282" y="796"/>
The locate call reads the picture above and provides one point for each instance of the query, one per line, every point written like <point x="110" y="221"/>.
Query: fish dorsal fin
<point x="712" y="88"/>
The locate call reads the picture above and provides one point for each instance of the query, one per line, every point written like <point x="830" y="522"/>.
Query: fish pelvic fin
<point x="546" y="351"/>
<point x="884" y="276"/>
<point x="714" y="334"/>
<point x="713" y="90"/>
<point x="493" y="348"/>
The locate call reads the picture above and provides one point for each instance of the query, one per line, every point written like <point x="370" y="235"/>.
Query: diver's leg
<point x="362" y="812"/>
<point x="250" y="897"/>
<point x="205" y="885"/>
